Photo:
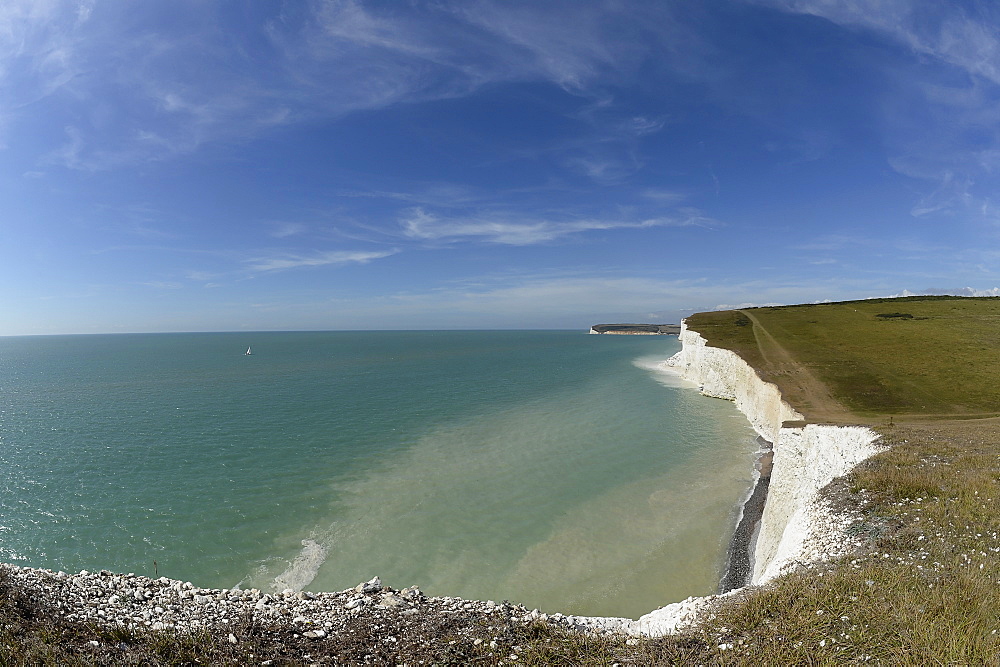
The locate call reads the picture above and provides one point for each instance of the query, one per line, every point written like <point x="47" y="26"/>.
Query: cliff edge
<point x="807" y="456"/>
<point x="795" y="526"/>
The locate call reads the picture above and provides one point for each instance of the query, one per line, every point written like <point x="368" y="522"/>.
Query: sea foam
<point x="303" y="569"/>
<point x="660" y="371"/>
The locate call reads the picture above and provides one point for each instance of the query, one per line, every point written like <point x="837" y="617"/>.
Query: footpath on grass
<point x="922" y="586"/>
<point x="919" y="585"/>
<point x="799" y="386"/>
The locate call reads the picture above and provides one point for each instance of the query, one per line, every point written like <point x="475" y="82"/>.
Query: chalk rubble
<point x="137" y="602"/>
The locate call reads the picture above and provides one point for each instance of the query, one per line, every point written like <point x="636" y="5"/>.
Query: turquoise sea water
<point x="555" y="469"/>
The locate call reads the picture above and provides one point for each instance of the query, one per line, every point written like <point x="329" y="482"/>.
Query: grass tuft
<point x="922" y="590"/>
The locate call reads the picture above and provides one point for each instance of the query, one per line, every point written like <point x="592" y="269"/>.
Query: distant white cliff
<point x="636" y="329"/>
<point x="807" y="457"/>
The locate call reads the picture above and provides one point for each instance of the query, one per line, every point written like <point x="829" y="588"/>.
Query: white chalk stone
<point x="371" y="586"/>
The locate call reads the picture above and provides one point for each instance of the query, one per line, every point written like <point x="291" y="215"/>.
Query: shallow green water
<point x="555" y="469"/>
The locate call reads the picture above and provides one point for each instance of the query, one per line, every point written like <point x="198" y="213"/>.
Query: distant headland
<point x="636" y="329"/>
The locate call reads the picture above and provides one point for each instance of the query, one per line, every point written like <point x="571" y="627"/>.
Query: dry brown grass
<point x="924" y="593"/>
<point x="926" y="588"/>
<point x="923" y="590"/>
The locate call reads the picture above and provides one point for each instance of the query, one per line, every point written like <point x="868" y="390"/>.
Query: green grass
<point x="942" y="361"/>
<point x="924" y="593"/>
<point x="924" y="589"/>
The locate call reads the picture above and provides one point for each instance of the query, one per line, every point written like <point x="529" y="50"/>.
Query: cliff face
<point x="636" y="329"/>
<point x="806" y="457"/>
<point x="794" y="526"/>
<point x="723" y="374"/>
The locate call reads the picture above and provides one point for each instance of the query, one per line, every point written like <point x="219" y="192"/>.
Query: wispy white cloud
<point x="955" y="291"/>
<point x="953" y="194"/>
<point x="430" y="194"/>
<point x="747" y="304"/>
<point x="333" y="257"/>
<point x="640" y="125"/>
<point x="941" y="90"/>
<point x="571" y="300"/>
<point x="515" y="230"/>
<point x="601" y="166"/>
<point x="960" y="291"/>
<point x="155" y="89"/>
<point x="136" y="220"/>
<point x="70" y="152"/>
<point x="945" y="31"/>
<point x="610" y="151"/>
<point x="664" y="195"/>
<point x="569" y="44"/>
<point x="829" y="242"/>
<point x="282" y="230"/>
<point x="953" y="189"/>
<point x="36" y="46"/>
<point x="350" y="21"/>
<point x="201" y="276"/>
<point x="803" y="144"/>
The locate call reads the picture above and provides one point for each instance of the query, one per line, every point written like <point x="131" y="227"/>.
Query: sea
<point x="563" y="471"/>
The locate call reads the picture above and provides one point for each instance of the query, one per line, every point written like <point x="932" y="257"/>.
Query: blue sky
<point x="191" y="166"/>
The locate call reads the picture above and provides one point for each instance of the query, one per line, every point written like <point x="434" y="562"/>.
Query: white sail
<point x="248" y="350"/>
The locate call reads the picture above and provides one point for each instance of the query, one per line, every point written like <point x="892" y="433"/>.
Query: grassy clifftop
<point x="923" y="590"/>
<point x="923" y="372"/>
<point x="915" y="357"/>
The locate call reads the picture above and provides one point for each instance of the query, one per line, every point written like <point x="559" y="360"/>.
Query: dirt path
<point x="798" y="385"/>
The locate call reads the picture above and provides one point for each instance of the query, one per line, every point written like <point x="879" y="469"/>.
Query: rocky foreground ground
<point x="109" y="614"/>
<point x="107" y="618"/>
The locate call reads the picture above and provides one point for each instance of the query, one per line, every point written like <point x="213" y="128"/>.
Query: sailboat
<point x="248" y="350"/>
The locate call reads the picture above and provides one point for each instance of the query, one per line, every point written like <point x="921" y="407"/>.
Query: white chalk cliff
<point x="807" y="457"/>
